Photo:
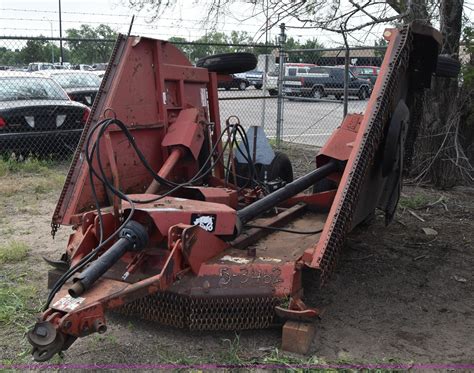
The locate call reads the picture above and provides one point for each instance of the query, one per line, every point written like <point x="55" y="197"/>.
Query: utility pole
<point x="346" y="73"/>
<point x="61" y="57"/>
<point x="265" y="71"/>
<point x="52" y="35"/>
<point x="281" y="76"/>
<point x="52" y="45"/>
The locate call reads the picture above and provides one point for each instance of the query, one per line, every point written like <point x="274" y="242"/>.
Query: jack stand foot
<point x="297" y="336"/>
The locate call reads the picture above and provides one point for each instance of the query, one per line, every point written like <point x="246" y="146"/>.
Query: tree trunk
<point x="439" y="157"/>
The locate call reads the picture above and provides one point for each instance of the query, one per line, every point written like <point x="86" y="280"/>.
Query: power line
<point x="120" y="15"/>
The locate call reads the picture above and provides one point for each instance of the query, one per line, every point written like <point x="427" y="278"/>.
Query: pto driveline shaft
<point x="132" y="237"/>
<point x="272" y="200"/>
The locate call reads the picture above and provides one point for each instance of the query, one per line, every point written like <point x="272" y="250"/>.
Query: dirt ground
<point x="398" y="295"/>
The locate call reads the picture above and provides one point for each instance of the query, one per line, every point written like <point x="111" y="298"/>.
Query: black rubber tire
<point x="363" y="93"/>
<point x="317" y="91"/>
<point x="272" y="92"/>
<point x="228" y="63"/>
<point x="242" y="86"/>
<point x="280" y="168"/>
<point x="258" y="86"/>
<point x="447" y="67"/>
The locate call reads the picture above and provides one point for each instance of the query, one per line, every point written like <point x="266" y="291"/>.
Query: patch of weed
<point x="231" y="356"/>
<point x="7" y="231"/>
<point x="415" y="202"/>
<point x="17" y="298"/>
<point x="46" y="185"/>
<point x="29" y="165"/>
<point x="13" y="252"/>
<point x="293" y="363"/>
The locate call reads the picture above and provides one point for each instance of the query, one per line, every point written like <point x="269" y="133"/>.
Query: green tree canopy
<point x="87" y="51"/>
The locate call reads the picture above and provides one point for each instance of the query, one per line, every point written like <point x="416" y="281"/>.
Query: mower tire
<point x="447" y="67"/>
<point x="229" y="63"/>
<point x="280" y="168"/>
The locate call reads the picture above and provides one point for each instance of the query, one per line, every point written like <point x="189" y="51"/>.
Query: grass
<point x="415" y="202"/>
<point x="23" y="183"/>
<point x="13" y="252"/>
<point x="231" y="355"/>
<point x="30" y="165"/>
<point x="19" y="304"/>
<point x="17" y="297"/>
<point x="53" y="182"/>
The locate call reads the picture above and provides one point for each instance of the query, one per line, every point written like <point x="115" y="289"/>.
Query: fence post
<point x="281" y="76"/>
<point x="346" y="74"/>
<point x="264" y="91"/>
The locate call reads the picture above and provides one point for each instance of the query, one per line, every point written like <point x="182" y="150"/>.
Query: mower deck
<point x="165" y="227"/>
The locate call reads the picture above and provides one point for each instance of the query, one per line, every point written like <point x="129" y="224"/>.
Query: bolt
<point x="41" y="331"/>
<point x="206" y="285"/>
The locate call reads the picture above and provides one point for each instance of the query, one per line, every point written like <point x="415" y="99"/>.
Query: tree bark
<point x="439" y="157"/>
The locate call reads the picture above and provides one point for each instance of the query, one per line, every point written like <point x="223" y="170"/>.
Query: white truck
<point x="291" y="70"/>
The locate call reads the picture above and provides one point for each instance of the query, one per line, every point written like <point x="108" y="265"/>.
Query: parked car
<point x="81" y="86"/>
<point x="366" y="72"/>
<point x="255" y="78"/>
<point x="37" y="116"/>
<point x="240" y="83"/>
<point x="38" y="66"/>
<point x="323" y="81"/>
<point x="82" y="67"/>
<point x="99" y="66"/>
<point x="291" y="70"/>
<point x="65" y="65"/>
<point x="18" y="68"/>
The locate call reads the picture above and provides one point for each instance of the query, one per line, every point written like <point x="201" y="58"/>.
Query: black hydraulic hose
<point x="289" y="190"/>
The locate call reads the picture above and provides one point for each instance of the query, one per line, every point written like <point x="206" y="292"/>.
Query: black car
<point x="37" y="116"/>
<point x="323" y="81"/>
<point x="255" y="78"/>
<point x="240" y="83"/>
<point x="366" y="72"/>
<point x="81" y="86"/>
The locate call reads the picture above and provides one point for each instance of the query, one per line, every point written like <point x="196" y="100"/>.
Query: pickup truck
<point x="322" y="81"/>
<point x="291" y="70"/>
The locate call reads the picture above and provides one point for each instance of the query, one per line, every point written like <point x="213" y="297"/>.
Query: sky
<point x="40" y="17"/>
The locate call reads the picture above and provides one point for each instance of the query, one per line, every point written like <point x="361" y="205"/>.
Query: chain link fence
<point x="318" y="89"/>
<point x="44" y="104"/>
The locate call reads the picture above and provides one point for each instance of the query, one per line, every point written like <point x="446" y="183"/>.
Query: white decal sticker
<point x="68" y="303"/>
<point x="235" y="259"/>
<point x="263" y="259"/>
<point x="205" y="222"/>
